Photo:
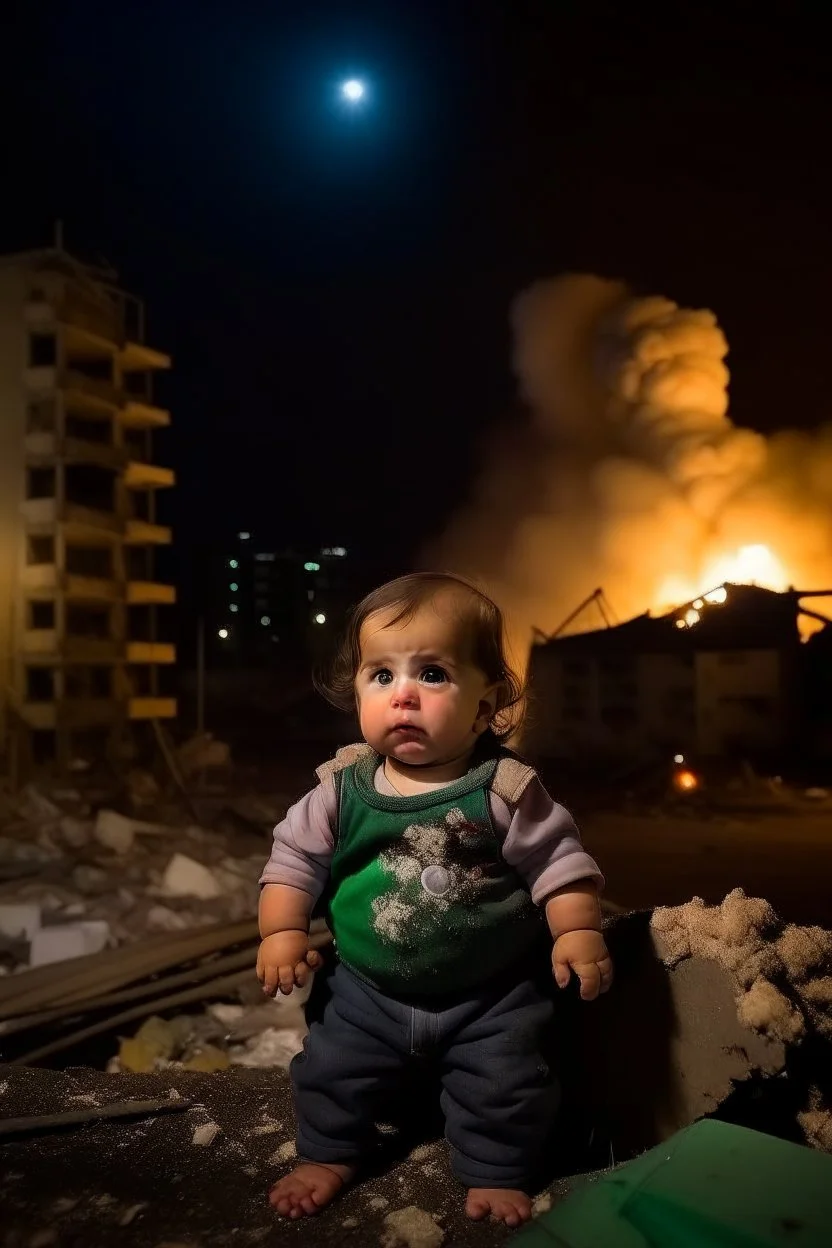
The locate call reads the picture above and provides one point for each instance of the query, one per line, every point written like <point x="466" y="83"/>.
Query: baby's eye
<point x="434" y="675"/>
<point x="383" y="677"/>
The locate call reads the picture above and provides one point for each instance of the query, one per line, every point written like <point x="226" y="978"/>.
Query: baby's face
<point x="421" y="700"/>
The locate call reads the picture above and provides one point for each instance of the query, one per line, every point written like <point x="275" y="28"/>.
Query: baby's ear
<point x="491" y="702"/>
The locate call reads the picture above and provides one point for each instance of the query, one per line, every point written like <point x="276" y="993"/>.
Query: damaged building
<point x="724" y="675"/>
<point x="80" y="633"/>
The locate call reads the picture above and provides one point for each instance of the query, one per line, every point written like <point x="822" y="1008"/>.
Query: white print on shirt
<point x="438" y="865"/>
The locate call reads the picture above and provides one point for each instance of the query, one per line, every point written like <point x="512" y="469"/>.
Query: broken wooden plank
<point x="44" y="1124"/>
<point x="79" y="979"/>
<point x="319" y="938"/>
<point x="202" y="992"/>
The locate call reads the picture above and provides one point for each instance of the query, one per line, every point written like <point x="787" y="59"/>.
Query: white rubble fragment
<point x="542" y="1204"/>
<point x="265" y="1128"/>
<point x="19" y="921"/>
<point x="75" y="832"/>
<point x="90" y="879"/>
<point x="68" y="940"/>
<point x="202" y="752"/>
<point x="130" y="1214"/>
<point x="273" y="1048"/>
<point x="206" y="1134"/>
<point x="162" y="919"/>
<point x="75" y="911"/>
<point x="114" y="831"/>
<point x="349" y="1224"/>
<point x="225" y="1013"/>
<point x="37" y="808"/>
<point x="411" y="1227"/>
<point x="185" y="877"/>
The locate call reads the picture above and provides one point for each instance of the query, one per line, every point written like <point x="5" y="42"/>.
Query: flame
<point x="685" y="781"/>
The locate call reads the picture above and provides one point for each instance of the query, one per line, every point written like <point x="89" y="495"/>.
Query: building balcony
<point x="77" y="521"/>
<point x="139" y="414"/>
<point x="91" y="325"/>
<point x="139" y="476"/>
<point x="150" y="593"/>
<point x="38" y="714"/>
<point x="47" y="578"/>
<point x="51" y="446"/>
<point x="150" y="652"/>
<point x="39" y="642"/>
<point x="143" y="533"/>
<point x="137" y="357"/>
<point x="88" y="712"/>
<point x="152" y="708"/>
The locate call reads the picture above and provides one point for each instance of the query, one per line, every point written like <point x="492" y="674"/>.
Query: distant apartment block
<point x="80" y="656"/>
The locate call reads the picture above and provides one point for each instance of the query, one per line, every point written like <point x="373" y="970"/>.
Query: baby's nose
<point x="404" y="694"/>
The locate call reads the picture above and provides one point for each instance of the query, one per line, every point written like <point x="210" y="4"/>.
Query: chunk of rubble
<point x="203" y="753"/>
<point x="68" y="940"/>
<point x="274" y="1048"/>
<point x="185" y="877"/>
<point x="19" y="920"/>
<point x="411" y="1227"/>
<point x="206" y="1134"/>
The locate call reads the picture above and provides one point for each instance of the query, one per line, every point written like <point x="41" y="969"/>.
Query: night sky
<point x="334" y="287"/>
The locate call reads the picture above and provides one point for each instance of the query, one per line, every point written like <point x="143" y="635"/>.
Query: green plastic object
<point x="712" y="1185"/>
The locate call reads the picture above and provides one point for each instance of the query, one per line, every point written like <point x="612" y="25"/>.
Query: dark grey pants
<point x="498" y="1095"/>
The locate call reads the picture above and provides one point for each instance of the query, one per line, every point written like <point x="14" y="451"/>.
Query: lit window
<point x="232" y="563"/>
<point x="311" y="567"/>
<point x="265" y="620"/>
<point x="223" y="634"/>
<point x="232" y="606"/>
<point x="233" y="587"/>
<point x="265" y="558"/>
<point x="320" y="618"/>
<point x="244" y="537"/>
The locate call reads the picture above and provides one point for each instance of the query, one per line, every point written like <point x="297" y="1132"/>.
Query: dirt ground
<point x="786" y="858"/>
<point x="146" y="1184"/>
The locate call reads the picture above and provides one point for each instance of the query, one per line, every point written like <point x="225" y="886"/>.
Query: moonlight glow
<point x="353" y="90"/>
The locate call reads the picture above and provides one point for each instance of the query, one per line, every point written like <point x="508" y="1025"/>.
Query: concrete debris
<point x="185" y="877"/>
<point x="118" y="833"/>
<point x="286" y="1153"/>
<point x="35" y="807"/>
<point x="274" y="1048"/>
<point x="781" y="974"/>
<point x="68" y="940"/>
<point x="411" y="1227"/>
<point x="202" y="753"/>
<point x="206" y="1134"/>
<point x="19" y="920"/>
<point x="152" y="1045"/>
<point x="142" y="788"/>
<point x="75" y="832"/>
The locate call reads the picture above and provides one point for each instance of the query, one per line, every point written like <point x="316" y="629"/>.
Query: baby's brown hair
<point x="402" y="598"/>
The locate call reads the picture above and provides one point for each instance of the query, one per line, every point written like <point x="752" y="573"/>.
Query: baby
<point x="440" y="855"/>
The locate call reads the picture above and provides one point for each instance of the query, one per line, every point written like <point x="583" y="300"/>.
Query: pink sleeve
<point x="303" y="843"/>
<point x="542" y="842"/>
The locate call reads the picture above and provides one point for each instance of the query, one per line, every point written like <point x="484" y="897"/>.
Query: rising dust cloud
<point x="628" y="474"/>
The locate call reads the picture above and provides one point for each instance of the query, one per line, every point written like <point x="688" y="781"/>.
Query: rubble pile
<point x="781" y="975"/>
<point x="80" y="879"/>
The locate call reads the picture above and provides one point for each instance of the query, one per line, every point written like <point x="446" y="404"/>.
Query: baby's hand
<point x="585" y="953"/>
<point x="285" y="960"/>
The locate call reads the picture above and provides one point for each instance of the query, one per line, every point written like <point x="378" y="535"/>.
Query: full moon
<point x="353" y="90"/>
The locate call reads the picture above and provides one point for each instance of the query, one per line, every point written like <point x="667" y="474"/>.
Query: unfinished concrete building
<point x="80" y="652"/>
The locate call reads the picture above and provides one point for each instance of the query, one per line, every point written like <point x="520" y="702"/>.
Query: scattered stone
<point x="90" y="880"/>
<point x="542" y="1204"/>
<point x="206" y="1134"/>
<point x="201" y="753"/>
<point x="185" y="877"/>
<point x="270" y="1048"/>
<point x="75" y="832"/>
<point x="114" y="831"/>
<point x="153" y="1043"/>
<point x="207" y="1059"/>
<point x="411" y="1227"/>
<point x="35" y="807"/>
<point x="130" y="1214"/>
<point x="69" y="940"/>
<point x="19" y="921"/>
<point x="162" y="919"/>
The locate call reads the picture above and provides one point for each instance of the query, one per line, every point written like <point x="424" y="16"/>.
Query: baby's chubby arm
<point x="293" y="880"/>
<point x="543" y="844"/>
<point x="284" y="958"/>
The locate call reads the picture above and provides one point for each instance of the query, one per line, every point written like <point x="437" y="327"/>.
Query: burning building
<point x="621" y="467"/>
<point x="723" y="675"/>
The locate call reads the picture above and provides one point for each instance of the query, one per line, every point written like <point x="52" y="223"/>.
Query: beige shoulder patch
<point x="511" y="779"/>
<point x="345" y="757"/>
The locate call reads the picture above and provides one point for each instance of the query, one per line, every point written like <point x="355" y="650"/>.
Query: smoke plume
<point x="626" y="472"/>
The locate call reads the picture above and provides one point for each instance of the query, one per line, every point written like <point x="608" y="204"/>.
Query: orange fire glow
<point x="685" y="781"/>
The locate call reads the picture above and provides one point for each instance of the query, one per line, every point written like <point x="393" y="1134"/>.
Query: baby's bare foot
<point x="308" y="1188"/>
<point x="503" y="1204"/>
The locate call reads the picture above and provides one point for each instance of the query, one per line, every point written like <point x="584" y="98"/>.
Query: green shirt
<point x="422" y="900"/>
